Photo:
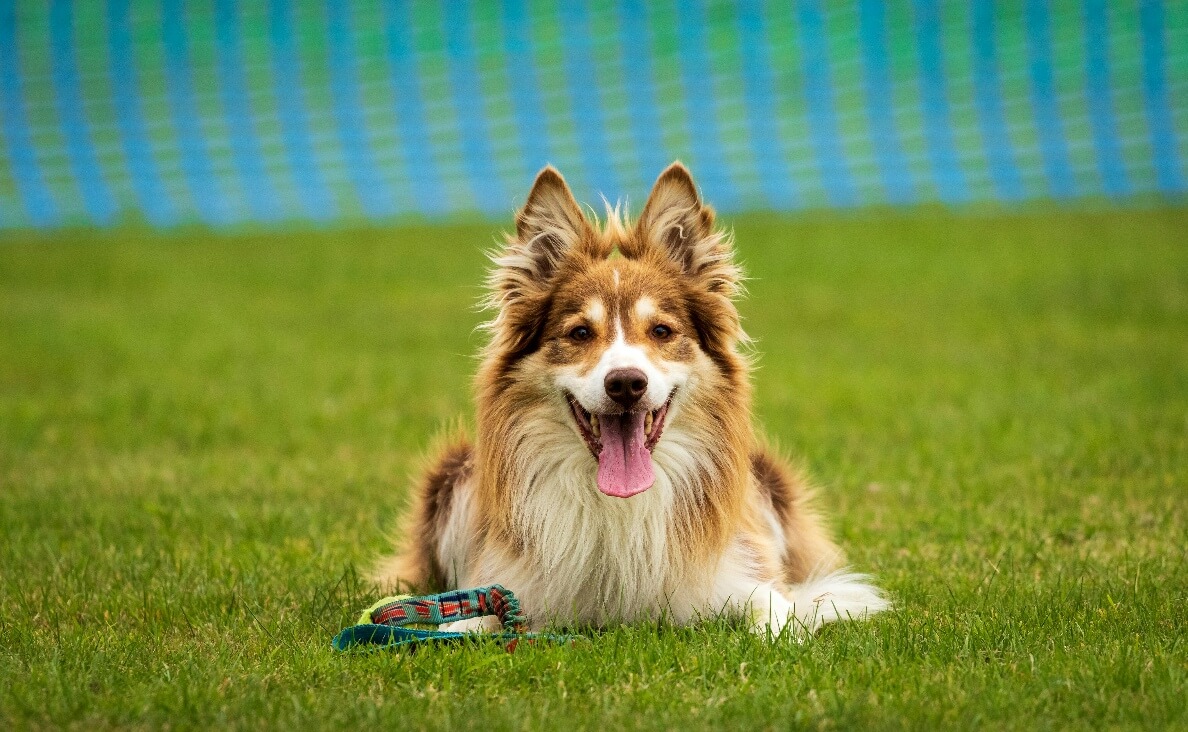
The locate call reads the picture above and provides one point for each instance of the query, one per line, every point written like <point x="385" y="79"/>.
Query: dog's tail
<point x="839" y="595"/>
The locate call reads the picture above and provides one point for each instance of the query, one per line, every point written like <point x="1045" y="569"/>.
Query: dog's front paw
<point x="837" y="596"/>
<point x="485" y="624"/>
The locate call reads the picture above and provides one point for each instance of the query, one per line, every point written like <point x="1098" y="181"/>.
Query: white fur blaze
<point x="590" y="388"/>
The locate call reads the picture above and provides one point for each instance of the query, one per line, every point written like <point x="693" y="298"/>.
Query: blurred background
<point x="222" y="111"/>
<point x="240" y="248"/>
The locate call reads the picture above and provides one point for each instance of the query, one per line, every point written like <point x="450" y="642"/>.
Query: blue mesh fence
<point x="223" y="111"/>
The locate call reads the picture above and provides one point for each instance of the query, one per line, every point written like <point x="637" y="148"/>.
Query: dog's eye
<point x="662" y="332"/>
<point x="580" y="333"/>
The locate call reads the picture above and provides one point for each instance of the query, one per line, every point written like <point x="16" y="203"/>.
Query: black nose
<point x="626" y="386"/>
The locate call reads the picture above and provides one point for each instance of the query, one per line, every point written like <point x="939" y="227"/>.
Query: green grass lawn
<point x="204" y="439"/>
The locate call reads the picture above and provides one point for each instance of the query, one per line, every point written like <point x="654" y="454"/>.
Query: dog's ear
<point x="677" y="223"/>
<point x="676" y="227"/>
<point x="549" y="229"/>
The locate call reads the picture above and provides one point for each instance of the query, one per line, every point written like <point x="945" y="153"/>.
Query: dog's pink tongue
<point x="624" y="465"/>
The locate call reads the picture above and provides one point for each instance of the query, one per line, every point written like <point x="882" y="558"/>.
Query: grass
<point x="203" y="439"/>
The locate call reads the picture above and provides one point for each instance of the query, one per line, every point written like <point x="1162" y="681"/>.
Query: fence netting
<point x="223" y="111"/>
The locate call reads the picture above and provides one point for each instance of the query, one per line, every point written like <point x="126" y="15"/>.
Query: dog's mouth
<point x="622" y="444"/>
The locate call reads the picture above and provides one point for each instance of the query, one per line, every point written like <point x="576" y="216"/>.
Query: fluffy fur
<point x="715" y="522"/>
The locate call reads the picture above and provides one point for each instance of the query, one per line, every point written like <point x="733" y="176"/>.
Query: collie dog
<point x="615" y="474"/>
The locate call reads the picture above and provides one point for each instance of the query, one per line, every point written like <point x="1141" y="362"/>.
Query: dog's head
<point x="621" y="332"/>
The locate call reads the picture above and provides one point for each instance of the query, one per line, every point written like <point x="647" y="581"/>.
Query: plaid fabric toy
<point x="407" y="621"/>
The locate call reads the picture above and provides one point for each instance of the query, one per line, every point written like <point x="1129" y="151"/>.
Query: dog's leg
<point x="485" y="624"/>
<point x="796" y="527"/>
<point x="745" y="586"/>
<point x="741" y="589"/>
<point x="802" y="611"/>
<point x="836" y="596"/>
<point x="435" y="538"/>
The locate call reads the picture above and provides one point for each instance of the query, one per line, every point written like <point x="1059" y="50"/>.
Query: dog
<point x="615" y="475"/>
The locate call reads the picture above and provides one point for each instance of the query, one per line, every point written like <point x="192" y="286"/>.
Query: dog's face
<point x="618" y="331"/>
<point x="619" y="345"/>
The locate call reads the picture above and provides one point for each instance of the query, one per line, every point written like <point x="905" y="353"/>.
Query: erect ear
<point x="550" y="228"/>
<point x="675" y="221"/>
<point x="550" y="225"/>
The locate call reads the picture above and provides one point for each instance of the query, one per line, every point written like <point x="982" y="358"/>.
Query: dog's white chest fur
<point x="588" y="557"/>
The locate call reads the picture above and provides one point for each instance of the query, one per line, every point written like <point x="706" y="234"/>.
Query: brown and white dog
<point x="615" y="474"/>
